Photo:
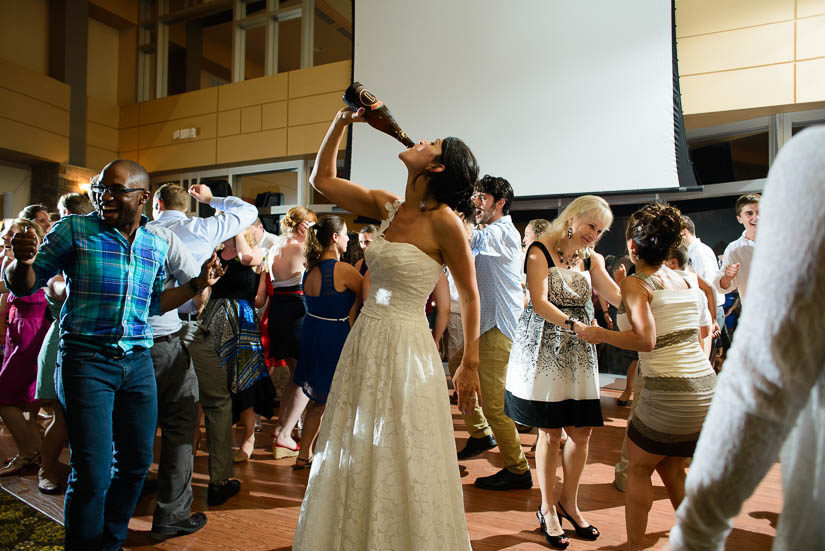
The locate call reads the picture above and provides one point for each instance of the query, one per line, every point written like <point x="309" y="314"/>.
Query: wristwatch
<point x="570" y="322"/>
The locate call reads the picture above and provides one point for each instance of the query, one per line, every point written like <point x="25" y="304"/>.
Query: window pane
<point x="254" y="56"/>
<point x="176" y="76"/>
<point x="216" y="56"/>
<point x="289" y="45"/>
<point x="257" y="6"/>
<point x="333" y="32"/>
<point x="731" y="158"/>
<point x="248" y="186"/>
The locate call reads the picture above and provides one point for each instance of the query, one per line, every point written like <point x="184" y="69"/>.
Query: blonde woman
<point x="285" y="263"/>
<point x="552" y="378"/>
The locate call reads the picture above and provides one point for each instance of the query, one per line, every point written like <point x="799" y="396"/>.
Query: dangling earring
<point x="569" y="233"/>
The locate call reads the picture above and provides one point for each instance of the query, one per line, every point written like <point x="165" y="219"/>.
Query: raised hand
<point x="24" y="246"/>
<point x="347" y="115"/>
<point x="731" y="270"/>
<point x="201" y="193"/>
<point x="211" y="271"/>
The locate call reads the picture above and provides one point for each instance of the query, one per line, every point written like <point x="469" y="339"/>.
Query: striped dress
<point x="679" y="381"/>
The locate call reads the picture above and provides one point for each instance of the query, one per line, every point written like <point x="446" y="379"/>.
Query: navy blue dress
<point x="325" y="330"/>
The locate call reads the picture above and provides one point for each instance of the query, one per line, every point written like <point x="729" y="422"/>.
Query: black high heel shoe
<point x="586" y="532"/>
<point x="559" y="542"/>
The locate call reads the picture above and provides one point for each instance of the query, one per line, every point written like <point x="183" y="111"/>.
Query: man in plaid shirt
<point x="105" y="379"/>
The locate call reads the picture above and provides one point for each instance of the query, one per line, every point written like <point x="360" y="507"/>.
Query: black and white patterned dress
<point x="552" y="377"/>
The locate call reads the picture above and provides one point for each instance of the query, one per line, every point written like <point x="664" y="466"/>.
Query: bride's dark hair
<point x="454" y="185"/>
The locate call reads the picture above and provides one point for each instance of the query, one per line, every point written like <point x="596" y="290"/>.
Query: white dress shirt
<point x="497" y="251"/>
<point x="202" y="235"/>
<point x="703" y="260"/>
<point x="771" y="391"/>
<point x="741" y="252"/>
<point x="180" y="268"/>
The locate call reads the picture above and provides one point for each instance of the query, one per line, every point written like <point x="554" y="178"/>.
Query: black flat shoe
<point x="586" y="532"/>
<point x="476" y="446"/>
<point x="560" y="541"/>
<point x="181" y="528"/>
<point x="505" y="480"/>
<point x="622" y="403"/>
<point x="219" y="492"/>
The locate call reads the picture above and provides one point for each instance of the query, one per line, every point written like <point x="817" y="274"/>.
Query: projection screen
<point x="558" y="97"/>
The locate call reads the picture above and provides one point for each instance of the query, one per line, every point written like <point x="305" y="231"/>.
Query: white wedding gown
<point x="385" y="475"/>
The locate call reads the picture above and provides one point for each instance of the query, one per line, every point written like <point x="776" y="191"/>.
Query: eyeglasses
<point x="114" y="191"/>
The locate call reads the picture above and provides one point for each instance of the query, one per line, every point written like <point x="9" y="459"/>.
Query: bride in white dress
<point x="384" y="474"/>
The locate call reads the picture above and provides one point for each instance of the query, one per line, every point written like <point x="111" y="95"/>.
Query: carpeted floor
<point x="25" y="529"/>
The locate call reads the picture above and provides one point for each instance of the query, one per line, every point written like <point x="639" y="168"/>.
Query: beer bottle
<point x="375" y="112"/>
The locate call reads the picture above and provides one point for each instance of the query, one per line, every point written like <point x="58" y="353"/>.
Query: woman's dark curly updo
<point x="656" y="230"/>
<point x="454" y="185"/>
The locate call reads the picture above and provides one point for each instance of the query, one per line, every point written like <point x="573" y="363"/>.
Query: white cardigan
<point x="772" y="388"/>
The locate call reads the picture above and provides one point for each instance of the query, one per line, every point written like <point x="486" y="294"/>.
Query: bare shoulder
<point x="633" y="286"/>
<point x="443" y="218"/>
<point x="597" y="259"/>
<point x="347" y="269"/>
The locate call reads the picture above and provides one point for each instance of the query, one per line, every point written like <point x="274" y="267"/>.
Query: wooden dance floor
<point x="263" y="516"/>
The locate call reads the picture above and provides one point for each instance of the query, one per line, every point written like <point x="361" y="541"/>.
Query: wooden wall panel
<point x="178" y="156"/>
<point x="31" y="111"/>
<point x="810" y="80"/>
<point x="129" y="115"/>
<point x="24" y="138"/>
<point x="314" y="109"/>
<point x="102" y="112"/>
<point x="750" y="47"/>
<point x="810" y="37"/>
<point x="129" y="155"/>
<point x="128" y="139"/>
<point x="251" y="119"/>
<point x="319" y="80"/>
<point x="742" y="89"/>
<point x="305" y="140"/>
<point x="190" y="104"/>
<point x="155" y="135"/>
<point x="253" y="92"/>
<point x="807" y="8"/>
<point x="274" y="115"/>
<point x="101" y="136"/>
<point x="229" y="122"/>
<point x="97" y="158"/>
<point x="18" y="78"/>
<point x="268" y="144"/>
<point x="709" y="16"/>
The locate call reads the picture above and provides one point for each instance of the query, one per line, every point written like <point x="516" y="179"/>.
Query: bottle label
<point x="370" y="100"/>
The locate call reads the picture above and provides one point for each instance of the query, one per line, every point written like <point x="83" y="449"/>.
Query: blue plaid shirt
<point x="112" y="288"/>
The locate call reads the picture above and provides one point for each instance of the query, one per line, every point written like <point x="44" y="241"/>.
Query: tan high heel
<point x="282" y="452"/>
<point x="245" y="451"/>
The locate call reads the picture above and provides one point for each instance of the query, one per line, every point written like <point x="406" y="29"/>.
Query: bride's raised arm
<point x="344" y="193"/>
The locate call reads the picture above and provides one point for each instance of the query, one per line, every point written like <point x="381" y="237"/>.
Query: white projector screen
<point x="557" y="97"/>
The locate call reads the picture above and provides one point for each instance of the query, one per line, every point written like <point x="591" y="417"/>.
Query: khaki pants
<point x="493" y="357"/>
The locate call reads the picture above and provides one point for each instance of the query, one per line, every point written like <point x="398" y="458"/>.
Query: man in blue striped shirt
<point x="105" y="380"/>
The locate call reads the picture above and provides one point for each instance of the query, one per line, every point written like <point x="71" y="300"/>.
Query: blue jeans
<point x="111" y="410"/>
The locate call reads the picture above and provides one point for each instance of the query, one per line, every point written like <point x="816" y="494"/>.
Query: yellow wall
<point x="102" y="62"/>
<point x="284" y="115"/>
<point x="34" y="113"/>
<point x="24" y="32"/>
<point x="742" y="55"/>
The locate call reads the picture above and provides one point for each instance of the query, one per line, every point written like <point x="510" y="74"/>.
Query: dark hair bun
<point x="454" y="185"/>
<point x="656" y="230"/>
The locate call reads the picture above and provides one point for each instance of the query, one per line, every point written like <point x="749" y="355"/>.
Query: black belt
<point x="187" y="317"/>
<point x="165" y="338"/>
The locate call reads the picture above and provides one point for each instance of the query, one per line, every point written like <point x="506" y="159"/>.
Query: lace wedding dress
<point x="385" y="475"/>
